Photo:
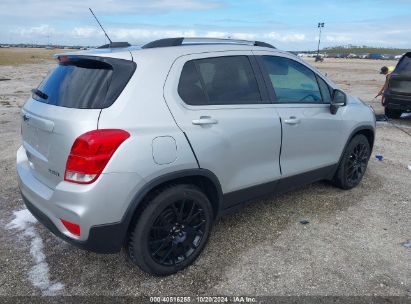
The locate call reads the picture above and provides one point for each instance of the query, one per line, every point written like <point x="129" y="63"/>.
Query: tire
<point x="353" y="164"/>
<point x="393" y="113"/>
<point x="171" y="231"/>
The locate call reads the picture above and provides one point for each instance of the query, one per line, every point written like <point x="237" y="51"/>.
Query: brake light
<point x="71" y="227"/>
<point x="90" y="154"/>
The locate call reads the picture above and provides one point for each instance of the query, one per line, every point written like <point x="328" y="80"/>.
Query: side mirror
<point x="339" y="99"/>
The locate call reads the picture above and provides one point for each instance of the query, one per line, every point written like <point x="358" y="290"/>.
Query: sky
<point x="287" y="24"/>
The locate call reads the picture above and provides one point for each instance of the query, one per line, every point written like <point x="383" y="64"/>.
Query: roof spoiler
<point x="114" y="45"/>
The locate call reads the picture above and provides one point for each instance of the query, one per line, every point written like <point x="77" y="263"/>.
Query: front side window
<point x="325" y="90"/>
<point x="219" y="81"/>
<point x="292" y="81"/>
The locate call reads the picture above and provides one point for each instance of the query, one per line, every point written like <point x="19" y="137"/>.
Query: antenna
<point x="101" y="26"/>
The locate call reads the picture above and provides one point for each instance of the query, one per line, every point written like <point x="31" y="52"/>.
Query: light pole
<point x="320" y="26"/>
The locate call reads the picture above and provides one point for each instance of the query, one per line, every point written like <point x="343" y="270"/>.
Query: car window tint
<point x="404" y="65"/>
<point x="84" y="83"/>
<point x="292" y="81"/>
<point x="325" y="90"/>
<point x="190" y="87"/>
<point x="223" y="80"/>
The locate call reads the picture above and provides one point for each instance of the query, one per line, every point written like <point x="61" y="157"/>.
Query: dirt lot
<point x="17" y="56"/>
<point x="355" y="242"/>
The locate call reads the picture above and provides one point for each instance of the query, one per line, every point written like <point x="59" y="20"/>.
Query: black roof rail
<point x="263" y="44"/>
<point x="166" y="42"/>
<point x="114" y="45"/>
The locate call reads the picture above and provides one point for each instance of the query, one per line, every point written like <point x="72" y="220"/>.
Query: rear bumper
<point x="98" y="208"/>
<point x="399" y="102"/>
<point x="102" y="239"/>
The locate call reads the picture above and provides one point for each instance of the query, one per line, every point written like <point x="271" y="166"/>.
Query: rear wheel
<point x="393" y="113"/>
<point x="171" y="231"/>
<point x="353" y="164"/>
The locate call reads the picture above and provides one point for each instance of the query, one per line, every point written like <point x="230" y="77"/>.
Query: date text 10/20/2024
<point x="203" y="299"/>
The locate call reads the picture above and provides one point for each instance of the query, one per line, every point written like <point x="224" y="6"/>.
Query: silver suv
<point x="145" y="147"/>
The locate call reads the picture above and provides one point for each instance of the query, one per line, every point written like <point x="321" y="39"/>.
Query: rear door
<point x="235" y="132"/>
<point x="311" y="134"/>
<point x="65" y="105"/>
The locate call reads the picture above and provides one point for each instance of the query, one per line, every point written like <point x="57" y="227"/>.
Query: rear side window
<point x="190" y="86"/>
<point x="292" y="81"/>
<point x="219" y="81"/>
<point x="85" y="82"/>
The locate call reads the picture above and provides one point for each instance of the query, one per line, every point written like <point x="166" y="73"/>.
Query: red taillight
<point x="90" y="154"/>
<point x="71" y="227"/>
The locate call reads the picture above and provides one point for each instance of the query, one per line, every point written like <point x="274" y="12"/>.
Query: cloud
<point x="85" y="32"/>
<point x="41" y="30"/>
<point x="139" y="21"/>
<point x="141" y="35"/>
<point x="75" y="8"/>
<point x="293" y="37"/>
<point x="136" y="34"/>
<point x="178" y="4"/>
<point x="338" y="38"/>
<point x="231" y="35"/>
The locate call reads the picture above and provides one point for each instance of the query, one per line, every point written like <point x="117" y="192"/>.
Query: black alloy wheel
<point x="172" y="230"/>
<point x="353" y="163"/>
<point x="357" y="163"/>
<point x="177" y="232"/>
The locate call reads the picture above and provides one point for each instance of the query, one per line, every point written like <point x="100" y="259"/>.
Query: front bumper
<point x="398" y="102"/>
<point x="98" y="208"/>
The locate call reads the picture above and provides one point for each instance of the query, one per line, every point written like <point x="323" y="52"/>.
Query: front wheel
<point x="171" y="231"/>
<point x="353" y="164"/>
<point x="392" y="113"/>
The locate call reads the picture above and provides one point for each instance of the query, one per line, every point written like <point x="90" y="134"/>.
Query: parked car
<point x="397" y="96"/>
<point x="145" y="147"/>
<point x="352" y="56"/>
<point x="389" y="57"/>
<point x="375" y="57"/>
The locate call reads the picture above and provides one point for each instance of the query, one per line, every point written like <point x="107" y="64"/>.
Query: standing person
<point x="387" y="72"/>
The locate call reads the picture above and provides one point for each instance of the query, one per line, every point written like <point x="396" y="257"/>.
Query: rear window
<point x="85" y="82"/>
<point x="404" y="65"/>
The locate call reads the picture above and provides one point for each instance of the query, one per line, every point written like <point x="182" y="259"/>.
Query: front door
<point x="311" y="134"/>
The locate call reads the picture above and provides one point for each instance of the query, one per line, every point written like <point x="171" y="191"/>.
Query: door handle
<point x="292" y="120"/>
<point x="205" y="120"/>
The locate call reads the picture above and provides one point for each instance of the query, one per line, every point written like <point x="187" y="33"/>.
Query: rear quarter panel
<point x="142" y="111"/>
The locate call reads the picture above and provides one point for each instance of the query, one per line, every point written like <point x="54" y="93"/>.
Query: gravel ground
<point x="354" y="244"/>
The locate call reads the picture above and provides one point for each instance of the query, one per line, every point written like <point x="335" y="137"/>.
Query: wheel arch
<point x="367" y="131"/>
<point x="202" y="178"/>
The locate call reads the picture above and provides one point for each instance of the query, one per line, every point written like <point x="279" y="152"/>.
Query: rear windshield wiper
<point x="39" y="93"/>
